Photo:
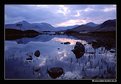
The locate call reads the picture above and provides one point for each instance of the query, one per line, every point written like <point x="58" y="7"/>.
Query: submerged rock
<point x="112" y="51"/>
<point x="36" y="69"/>
<point x="37" y="53"/>
<point x="61" y="43"/>
<point x="96" y="44"/>
<point x="79" y="50"/>
<point x="29" y="58"/>
<point x="55" y="72"/>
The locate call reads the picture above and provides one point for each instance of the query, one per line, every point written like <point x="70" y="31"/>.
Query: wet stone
<point x="55" y="72"/>
<point x="29" y="58"/>
<point x="66" y="42"/>
<point x="79" y="50"/>
<point x="37" y="53"/>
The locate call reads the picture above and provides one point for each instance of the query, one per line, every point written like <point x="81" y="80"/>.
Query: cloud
<point x="109" y="9"/>
<point x="29" y="13"/>
<point x="63" y="9"/>
<point x="88" y="9"/>
<point x="59" y="14"/>
<point x="77" y="14"/>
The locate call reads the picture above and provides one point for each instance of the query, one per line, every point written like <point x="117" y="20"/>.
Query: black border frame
<point x="51" y="2"/>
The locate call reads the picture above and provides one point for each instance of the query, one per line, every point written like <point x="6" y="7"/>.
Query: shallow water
<point x="54" y="53"/>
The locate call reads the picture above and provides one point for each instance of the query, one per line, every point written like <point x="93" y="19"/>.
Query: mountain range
<point x="24" y="25"/>
<point x="109" y="25"/>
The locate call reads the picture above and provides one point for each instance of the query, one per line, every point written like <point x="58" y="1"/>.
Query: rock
<point x="112" y="51"/>
<point x="91" y="52"/>
<point x="89" y="42"/>
<point x="95" y="44"/>
<point x="84" y="44"/>
<point x="108" y="46"/>
<point x="79" y="50"/>
<point x="66" y="42"/>
<point x="37" y="53"/>
<point x="29" y="58"/>
<point x="55" y="72"/>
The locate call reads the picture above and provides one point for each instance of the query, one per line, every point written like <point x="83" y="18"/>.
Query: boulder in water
<point x="79" y="50"/>
<point x="29" y="58"/>
<point x="37" y="53"/>
<point x="55" y="72"/>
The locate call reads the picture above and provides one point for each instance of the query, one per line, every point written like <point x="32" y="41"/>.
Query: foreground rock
<point x="79" y="50"/>
<point x="55" y="72"/>
<point x="37" y="53"/>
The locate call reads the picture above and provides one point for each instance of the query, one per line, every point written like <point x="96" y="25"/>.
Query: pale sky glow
<point x="59" y="15"/>
<point x="72" y="22"/>
<point x="72" y="41"/>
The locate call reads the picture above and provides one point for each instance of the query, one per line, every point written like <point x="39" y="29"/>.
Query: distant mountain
<point x="109" y="25"/>
<point x="91" y="24"/>
<point x="24" y="25"/>
<point x="43" y="26"/>
<point x="65" y="28"/>
<point x="23" y="22"/>
<point x="83" y="28"/>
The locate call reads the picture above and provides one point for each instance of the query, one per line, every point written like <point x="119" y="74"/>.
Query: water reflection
<point x="42" y="38"/>
<point x="106" y="42"/>
<point x="55" y="54"/>
<point x="72" y="41"/>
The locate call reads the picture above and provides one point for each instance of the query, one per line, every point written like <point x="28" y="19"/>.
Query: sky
<point x="59" y="15"/>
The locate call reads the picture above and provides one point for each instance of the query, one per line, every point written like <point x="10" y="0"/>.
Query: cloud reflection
<point x="72" y="41"/>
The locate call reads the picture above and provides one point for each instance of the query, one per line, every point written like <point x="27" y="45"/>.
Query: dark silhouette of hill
<point x="14" y="34"/>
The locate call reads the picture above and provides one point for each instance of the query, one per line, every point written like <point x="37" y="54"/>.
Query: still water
<point x="55" y="52"/>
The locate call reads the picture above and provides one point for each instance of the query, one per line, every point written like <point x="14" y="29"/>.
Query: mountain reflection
<point x="64" y="39"/>
<point x="41" y="38"/>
